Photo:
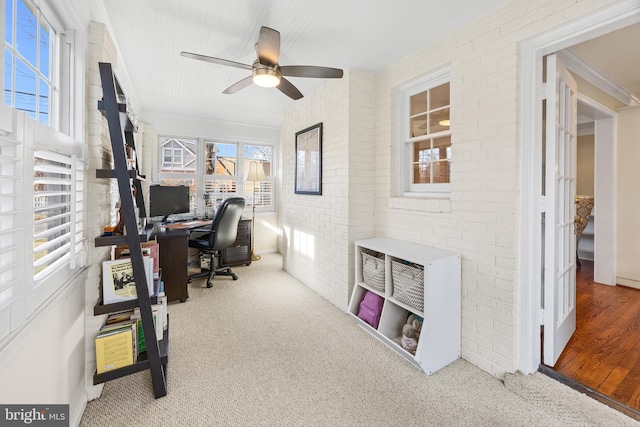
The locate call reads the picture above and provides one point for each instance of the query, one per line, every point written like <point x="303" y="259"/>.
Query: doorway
<point x="534" y="51"/>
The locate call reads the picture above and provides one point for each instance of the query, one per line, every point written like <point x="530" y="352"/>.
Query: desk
<point x="174" y="257"/>
<point x="174" y="253"/>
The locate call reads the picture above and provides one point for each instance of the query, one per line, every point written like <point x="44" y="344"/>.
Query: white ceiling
<point x="367" y="35"/>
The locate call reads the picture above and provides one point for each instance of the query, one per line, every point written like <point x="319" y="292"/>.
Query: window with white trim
<point x="425" y="139"/>
<point x="29" y="55"/>
<point x="42" y="170"/>
<point x="42" y="175"/>
<point x="216" y="170"/>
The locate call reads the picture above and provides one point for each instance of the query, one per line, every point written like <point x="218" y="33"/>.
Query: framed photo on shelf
<point x="309" y="160"/>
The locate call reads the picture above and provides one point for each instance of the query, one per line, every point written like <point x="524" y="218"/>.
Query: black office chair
<point x="223" y="232"/>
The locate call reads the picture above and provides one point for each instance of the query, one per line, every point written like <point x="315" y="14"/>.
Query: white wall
<point x="480" y="220"/>
<point x="586" y="166"/>
<point x="319" y="231"/>
<point x="628" y="198"/>
<point x="45" y="362"/>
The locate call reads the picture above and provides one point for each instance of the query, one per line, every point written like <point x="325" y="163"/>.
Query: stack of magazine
<point x="120" y="342"/>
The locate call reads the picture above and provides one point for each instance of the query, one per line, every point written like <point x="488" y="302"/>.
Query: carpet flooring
<point x="266" y="350"/>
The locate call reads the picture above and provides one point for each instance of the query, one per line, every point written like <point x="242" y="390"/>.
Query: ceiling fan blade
<point x="268" y="46"/>
<point x="311" y="71"/>
<point x="238" y="86"/>
<point x="289" y="89"/>
<point x="214" y="60"/>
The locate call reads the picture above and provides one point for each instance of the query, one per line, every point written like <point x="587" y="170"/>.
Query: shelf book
<point x="150" y="248"/>
<point x="117" y="279"/>
<point x="115" y="347"/>
<point x="120" y="342"/>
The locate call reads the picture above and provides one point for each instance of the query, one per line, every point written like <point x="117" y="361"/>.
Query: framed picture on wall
<point x="309" y="160"/>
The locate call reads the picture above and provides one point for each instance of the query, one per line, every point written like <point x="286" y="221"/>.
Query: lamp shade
<point x="255" y="171"/>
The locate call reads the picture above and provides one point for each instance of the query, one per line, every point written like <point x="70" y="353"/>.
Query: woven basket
<point x="408" y="284"/>
<point x="373" y="271"/>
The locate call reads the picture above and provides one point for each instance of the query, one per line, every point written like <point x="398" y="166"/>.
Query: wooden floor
<point x="604" y="352"/>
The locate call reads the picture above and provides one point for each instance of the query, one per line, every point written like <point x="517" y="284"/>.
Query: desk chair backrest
<point x="224" y="228"/>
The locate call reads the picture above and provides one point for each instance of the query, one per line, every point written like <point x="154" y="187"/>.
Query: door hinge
<point x="543" y="90"/>
<point x="543" y="204"/>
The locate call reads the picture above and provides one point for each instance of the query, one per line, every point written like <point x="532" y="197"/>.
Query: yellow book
<point x="114" y="349"/>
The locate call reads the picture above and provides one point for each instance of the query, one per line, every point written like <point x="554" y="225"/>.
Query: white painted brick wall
<point x="319" y="231"/>
<point x="101" y="193"/>
<point x="479" y="220"/>
<point x="482" y="220"/>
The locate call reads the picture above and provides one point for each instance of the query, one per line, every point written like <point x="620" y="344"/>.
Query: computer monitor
<point x="165" y="200"/>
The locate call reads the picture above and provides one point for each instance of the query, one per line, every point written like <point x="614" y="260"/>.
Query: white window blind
<point x="55" y="212"/>
<point x="262" y="193"/>
<point x="11" y="236"/>
<point x="42" y="238"/>
<point x="219" y="189"/>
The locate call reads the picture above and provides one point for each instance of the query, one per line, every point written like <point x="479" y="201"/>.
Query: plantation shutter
<point x="12" y="299"/>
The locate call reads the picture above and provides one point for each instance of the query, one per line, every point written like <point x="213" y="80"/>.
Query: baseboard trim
<point x="618" y="406"/>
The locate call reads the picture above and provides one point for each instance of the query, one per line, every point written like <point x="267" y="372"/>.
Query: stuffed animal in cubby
<point x="411" y="333"/>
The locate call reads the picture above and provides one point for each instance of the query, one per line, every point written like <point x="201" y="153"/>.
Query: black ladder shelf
<point x="121" y="134"/>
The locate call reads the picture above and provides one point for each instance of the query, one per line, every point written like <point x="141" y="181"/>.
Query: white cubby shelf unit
<point x="439" y="341"/>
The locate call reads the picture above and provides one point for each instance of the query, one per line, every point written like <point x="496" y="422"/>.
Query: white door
<point x="560" y="189"/>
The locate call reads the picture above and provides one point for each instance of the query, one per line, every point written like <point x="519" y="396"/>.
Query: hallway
<point x="604" y="352"/>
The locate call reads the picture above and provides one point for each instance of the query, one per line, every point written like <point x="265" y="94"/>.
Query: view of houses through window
<point x="215" y="171"/>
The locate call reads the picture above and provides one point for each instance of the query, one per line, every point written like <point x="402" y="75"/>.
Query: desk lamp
<point x="255" y="173"/>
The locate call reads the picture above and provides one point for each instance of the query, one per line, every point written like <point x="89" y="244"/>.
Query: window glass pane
<point x="441" y="167"/>
<point x="221" y="158"/>
<point x="8" y="84"/>
<point x="25" y="96"/>
<point x="43" y="102"/>
<point x="422" y="156"/>
<point x="178" y="155"/>
<point x="439" y="120"/>
<point x="431" y="161"/>
<point x="210" y="151"/>
<point x="264" y="153"/>
<point x="418" y="126"/>
<point x="45" y="50"/>
<point x="418" y="103"/>
<point x="8" y="21"/>
<point x="439" y="96"/>
<point x="26" y="32"/>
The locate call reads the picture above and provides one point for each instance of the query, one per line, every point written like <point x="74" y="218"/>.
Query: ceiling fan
<point x="266" y="71"/>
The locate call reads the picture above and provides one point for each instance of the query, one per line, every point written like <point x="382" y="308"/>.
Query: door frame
<point x="532" y="51"/>
<point x="604" y="120"/>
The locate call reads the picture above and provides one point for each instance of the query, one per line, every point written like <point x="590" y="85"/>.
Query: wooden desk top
<point x="195" y="223"/>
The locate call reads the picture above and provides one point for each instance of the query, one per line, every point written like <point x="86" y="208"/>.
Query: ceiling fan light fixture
<point x="266" y="77"/>
<point x="445" y="122"/>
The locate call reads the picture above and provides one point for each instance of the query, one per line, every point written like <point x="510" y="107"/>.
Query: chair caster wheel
<point x="234" y="277"/>
<point x="209" y="284"/>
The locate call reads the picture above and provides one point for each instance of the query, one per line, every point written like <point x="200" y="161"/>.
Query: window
<point x="51" y="192"/>
<point x="425" y="156"/>
<point x="28" y="57"/>
<point x="258" y="161"/>
<point x="42" y="171"/>
<point x="219" y="172"/>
